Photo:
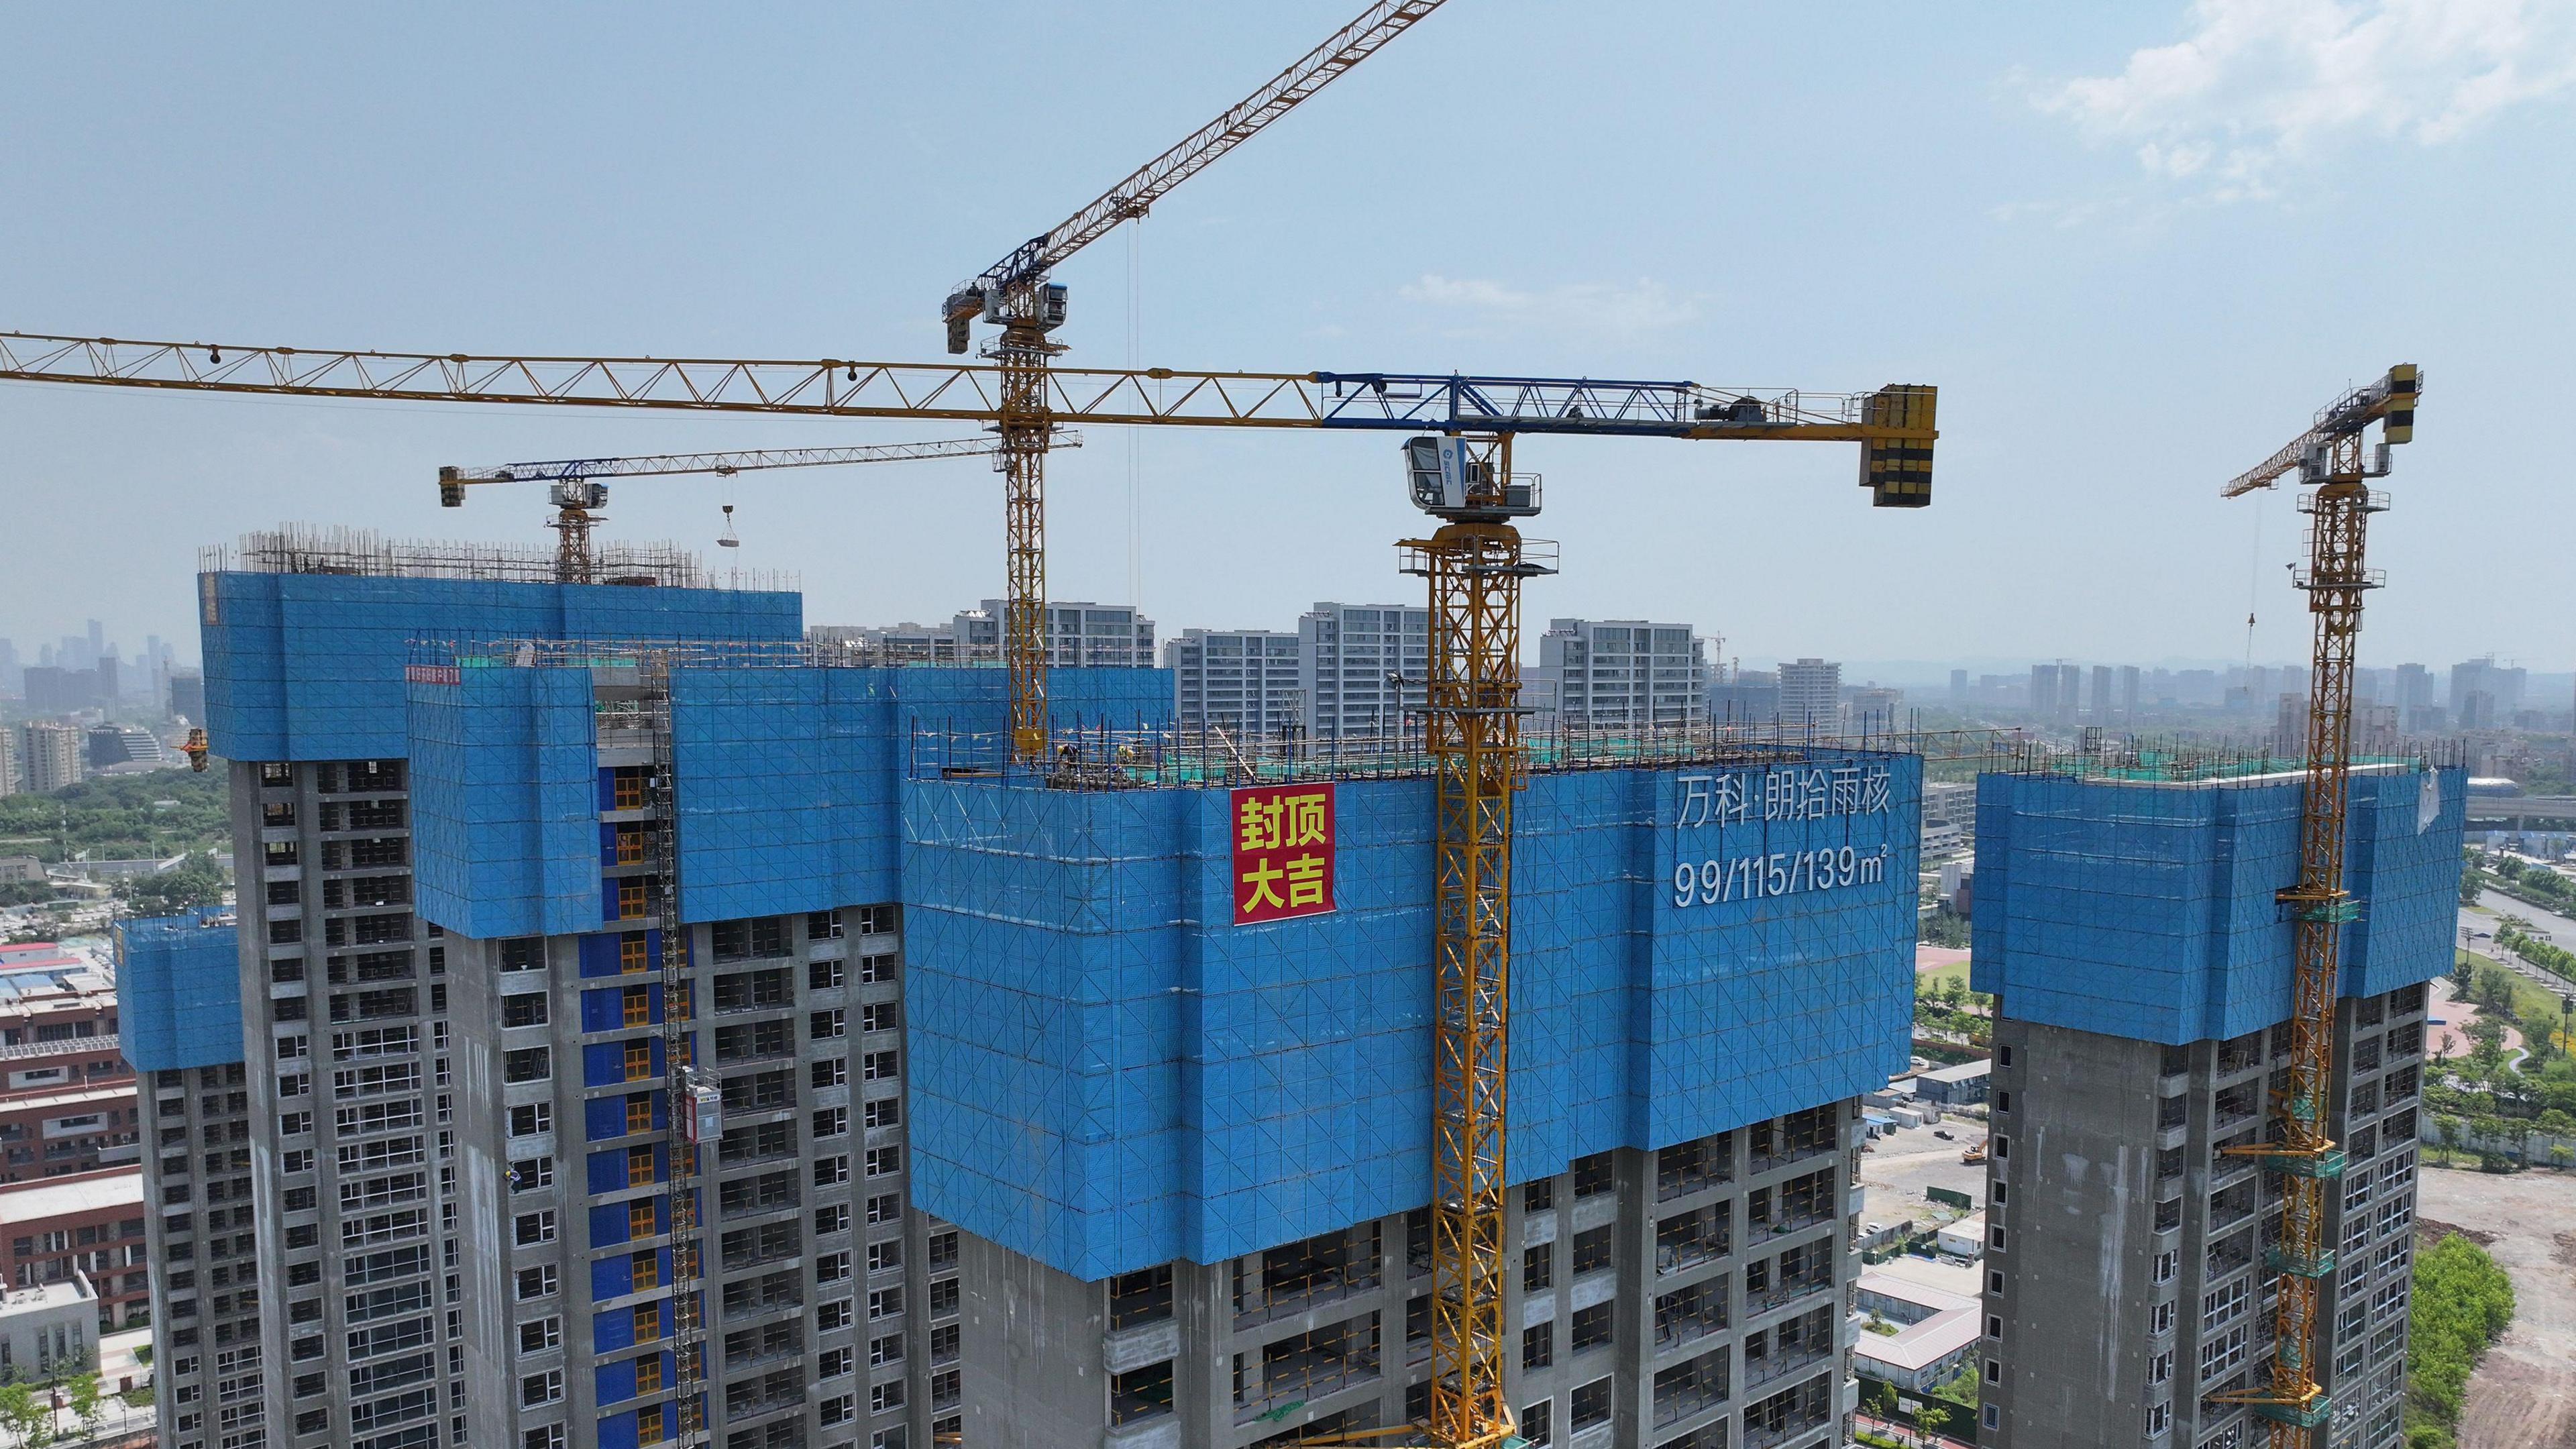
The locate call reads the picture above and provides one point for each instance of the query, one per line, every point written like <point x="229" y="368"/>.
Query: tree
<point x="197" y="881"/>
<point x="2462" y="1303"/>
<point x="26" y="1416"/>
<point x="82" y="1392"/>
<point x="2451" y="1128"/>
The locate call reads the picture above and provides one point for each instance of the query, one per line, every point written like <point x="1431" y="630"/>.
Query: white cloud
<point x="2260" y="85"/>
<point x="1604" y="308"/>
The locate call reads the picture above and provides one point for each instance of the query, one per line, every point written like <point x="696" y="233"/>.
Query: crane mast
<point x="1014" y="294"/>
<point x="2331" y="457"/>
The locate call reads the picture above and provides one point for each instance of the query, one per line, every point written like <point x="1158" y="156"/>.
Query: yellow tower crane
<point x="1014" y="293"/>
<point x="1458" y="464"/>
<point x="2332" y="458"/>
<point x="1457" y="458"/>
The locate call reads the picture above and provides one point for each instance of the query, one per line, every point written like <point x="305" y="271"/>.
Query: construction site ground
<point x="1893" y="1177"/>
<point x="2524" y="1393"/>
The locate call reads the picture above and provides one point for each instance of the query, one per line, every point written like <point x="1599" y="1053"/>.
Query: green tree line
<point x="2462" y="1304"/>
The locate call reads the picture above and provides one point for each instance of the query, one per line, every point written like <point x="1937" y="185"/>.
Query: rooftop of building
<point x="2126" y="759"/>
<point x="74" y="1100"/>
<point x="1918" y="1346"/>
<point x="72" y="1195"/>
<point x="1930" y="1275"/>
<point x="1960" y="1073"/>
<point x="295" y="548"/>
<point x="72" y="1290"/>
<point x="1909" y="1288"/>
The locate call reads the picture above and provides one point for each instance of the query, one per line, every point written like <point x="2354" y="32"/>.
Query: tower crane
<point x="578" y="492"/>
<point x="1014" y="294"/>
<point x="1457" y="455"/>
<point x="2330" y="458"/>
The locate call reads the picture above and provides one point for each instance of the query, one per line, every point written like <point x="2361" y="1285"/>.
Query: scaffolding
<point x="298" y="548"/>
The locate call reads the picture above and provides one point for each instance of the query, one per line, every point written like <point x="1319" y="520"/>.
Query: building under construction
<point x="2126" y="917"/>
<point x="980" y="1103"/>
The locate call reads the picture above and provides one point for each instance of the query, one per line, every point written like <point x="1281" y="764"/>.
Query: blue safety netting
<point x="505" y="820"/>
<point x="310" y="666"/>
<point x="1107" y="1074"/>
<point x="178" y="991"/>
<point x="2147" y="910"/>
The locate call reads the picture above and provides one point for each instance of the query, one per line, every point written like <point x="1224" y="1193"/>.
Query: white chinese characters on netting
<point x="1790" y="793"/>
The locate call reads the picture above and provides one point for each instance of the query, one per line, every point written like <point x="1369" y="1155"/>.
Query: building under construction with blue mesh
<point x="673" y="1028"/>
<point x="2126" y="916"/>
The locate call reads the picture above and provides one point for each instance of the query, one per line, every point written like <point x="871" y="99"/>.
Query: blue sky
<point x="2135" y="245"/>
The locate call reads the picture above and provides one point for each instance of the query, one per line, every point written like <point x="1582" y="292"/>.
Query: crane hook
<point x="727" y="539"/>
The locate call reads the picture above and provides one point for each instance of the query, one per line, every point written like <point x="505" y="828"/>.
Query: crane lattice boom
<point x="1147" y="184"/>
<point x="727" y="464"/>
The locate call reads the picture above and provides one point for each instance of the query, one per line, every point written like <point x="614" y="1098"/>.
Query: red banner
<point x="1283" y="852"/>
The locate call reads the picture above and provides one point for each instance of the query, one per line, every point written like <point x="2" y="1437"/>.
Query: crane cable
<point x="1135" y="436"/>
<point x="2253" y="589"/>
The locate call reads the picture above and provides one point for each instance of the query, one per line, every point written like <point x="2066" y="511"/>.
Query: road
<point x="2524" y="1393"/>
<point x="2560" y="931"/>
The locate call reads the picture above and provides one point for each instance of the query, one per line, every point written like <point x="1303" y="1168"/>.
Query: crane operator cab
<point x="1449" y="480"/>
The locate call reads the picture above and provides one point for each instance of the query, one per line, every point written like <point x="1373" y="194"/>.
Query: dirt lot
<point x="1893" y="1177"/>
<point x="2524" y="1394"/>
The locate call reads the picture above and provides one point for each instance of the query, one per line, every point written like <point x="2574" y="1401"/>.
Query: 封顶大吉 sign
<point x="1283" y="851"/>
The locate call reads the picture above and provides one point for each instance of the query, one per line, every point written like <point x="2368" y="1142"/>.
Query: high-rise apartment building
<point x="1113" y="636"/>
<point x="49" y="756"/>
<point x="339" y="1225"/>
<point x="1242" y="681"/>
<point x="2129" y="692"/>
<point x="654" y="1022"/>
<point x="1811" y="693"/>
<point x="179" y="987"/>
<point x="1619" y="674"/>
<point x="1364" y="667"/>
<point x="2139" y="1049"/>
<point x="2102" y="703"/>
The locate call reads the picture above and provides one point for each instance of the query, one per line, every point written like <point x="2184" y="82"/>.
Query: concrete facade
<point x="201" y="1226"/>
<point x="1683" y="1299"/>
<point x="2110" y="1167"/>
<point x="830" y="1304"/>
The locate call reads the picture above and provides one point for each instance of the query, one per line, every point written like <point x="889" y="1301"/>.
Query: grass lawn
<point x="2528" y="995"/>
<point x="1929" y="981"/>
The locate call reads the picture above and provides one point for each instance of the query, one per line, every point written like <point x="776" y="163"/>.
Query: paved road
<point x="2524" y="1393"/>
<point x="2560" y="930"/>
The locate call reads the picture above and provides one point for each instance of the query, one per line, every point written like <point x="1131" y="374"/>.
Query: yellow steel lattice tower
<point x="2330" y="456"/>
<point x="1473" y="735"/>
